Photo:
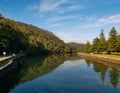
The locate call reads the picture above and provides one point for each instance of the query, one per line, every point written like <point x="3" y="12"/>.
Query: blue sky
<point x="71" y="20"/>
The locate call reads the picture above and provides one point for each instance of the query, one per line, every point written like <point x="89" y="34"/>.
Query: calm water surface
<point x="61" y="74"/>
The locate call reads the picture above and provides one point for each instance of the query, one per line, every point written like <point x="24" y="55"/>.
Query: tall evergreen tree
<point x="88" y="47"/>
<point x="118" y="43"/>
<point x="96" y="45"/>
<point x="112" y="41"/>
<point x="103" y="44"/>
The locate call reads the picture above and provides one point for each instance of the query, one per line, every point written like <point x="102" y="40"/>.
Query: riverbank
<point x="4" y="58"/>
<point x="10" y="63"/>
<point x="111" y="60"/>
<point x="6" y="61"/>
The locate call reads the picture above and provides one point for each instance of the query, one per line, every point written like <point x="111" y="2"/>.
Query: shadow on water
<point x="30" y="69"/>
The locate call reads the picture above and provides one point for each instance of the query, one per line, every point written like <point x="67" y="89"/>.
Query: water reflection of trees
<point x="114" y="74"/>
<point x="114" y="77"/>
<point x="30" y="68"/>
<point x="33" y="68"/>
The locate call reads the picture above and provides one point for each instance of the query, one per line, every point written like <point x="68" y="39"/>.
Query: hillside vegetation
<point x="18" y="37"/>
<point x="76" y="47"/>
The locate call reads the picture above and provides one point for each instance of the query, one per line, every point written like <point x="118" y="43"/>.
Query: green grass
<point x="107" y="56"/>
<point x="3" y="58"/>
<point x="117" y="57"/>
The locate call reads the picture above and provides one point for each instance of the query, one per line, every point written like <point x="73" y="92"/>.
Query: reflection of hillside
<point x="102" y="69"/>
<point x="37" y="68"/>
<point x="31" y="68"/>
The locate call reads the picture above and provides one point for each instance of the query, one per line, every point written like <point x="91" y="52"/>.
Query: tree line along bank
<point x="102" y="45"/>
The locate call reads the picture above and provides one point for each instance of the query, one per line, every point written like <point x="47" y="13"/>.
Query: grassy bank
<point x="103" y="57"/>
<point x="108" y="60"/>
<point x="115" y="57"/>
<point x="3" y="58"/>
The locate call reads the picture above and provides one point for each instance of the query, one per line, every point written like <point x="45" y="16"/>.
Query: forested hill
<point x="18" y="37"/>
<point x="78" y="47"/>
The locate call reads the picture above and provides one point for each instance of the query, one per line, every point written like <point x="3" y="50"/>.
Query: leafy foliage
<point x="101" y="45"/>
<point x="88" y="47"/>
<point x="77" y="47"/>
<point x="118" y="43"/>
<point x="112" y="41"/>
<point x="18" y="36"/>
<point x="96" y="45"/>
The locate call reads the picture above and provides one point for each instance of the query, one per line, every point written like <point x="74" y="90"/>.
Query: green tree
<point x="112" y="41"/>
<point x="118" y="43"/>
<point x="88" y="47"/>
<point x="96" y="45"/>
<point x="10" y="40"/>
<point x="103" y="44"/>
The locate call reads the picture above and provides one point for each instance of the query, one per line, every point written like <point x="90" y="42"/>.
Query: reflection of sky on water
<point x="70" y="77"/>
<point x="69" y="64"/>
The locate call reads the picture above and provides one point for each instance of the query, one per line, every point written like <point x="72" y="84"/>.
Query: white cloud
<point x="93" y="21"/>
<point x="68" y="37"/>
<point x="73" y="32"/>
<point x="110" y="19"/>
<point x="61" y="18"/>
<point x="50" y="5"/>
<point x="91" y="25"/>
<point x="75" y="7"/>
<point x="56" y="6"/>
<point x="54" y="25"/>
